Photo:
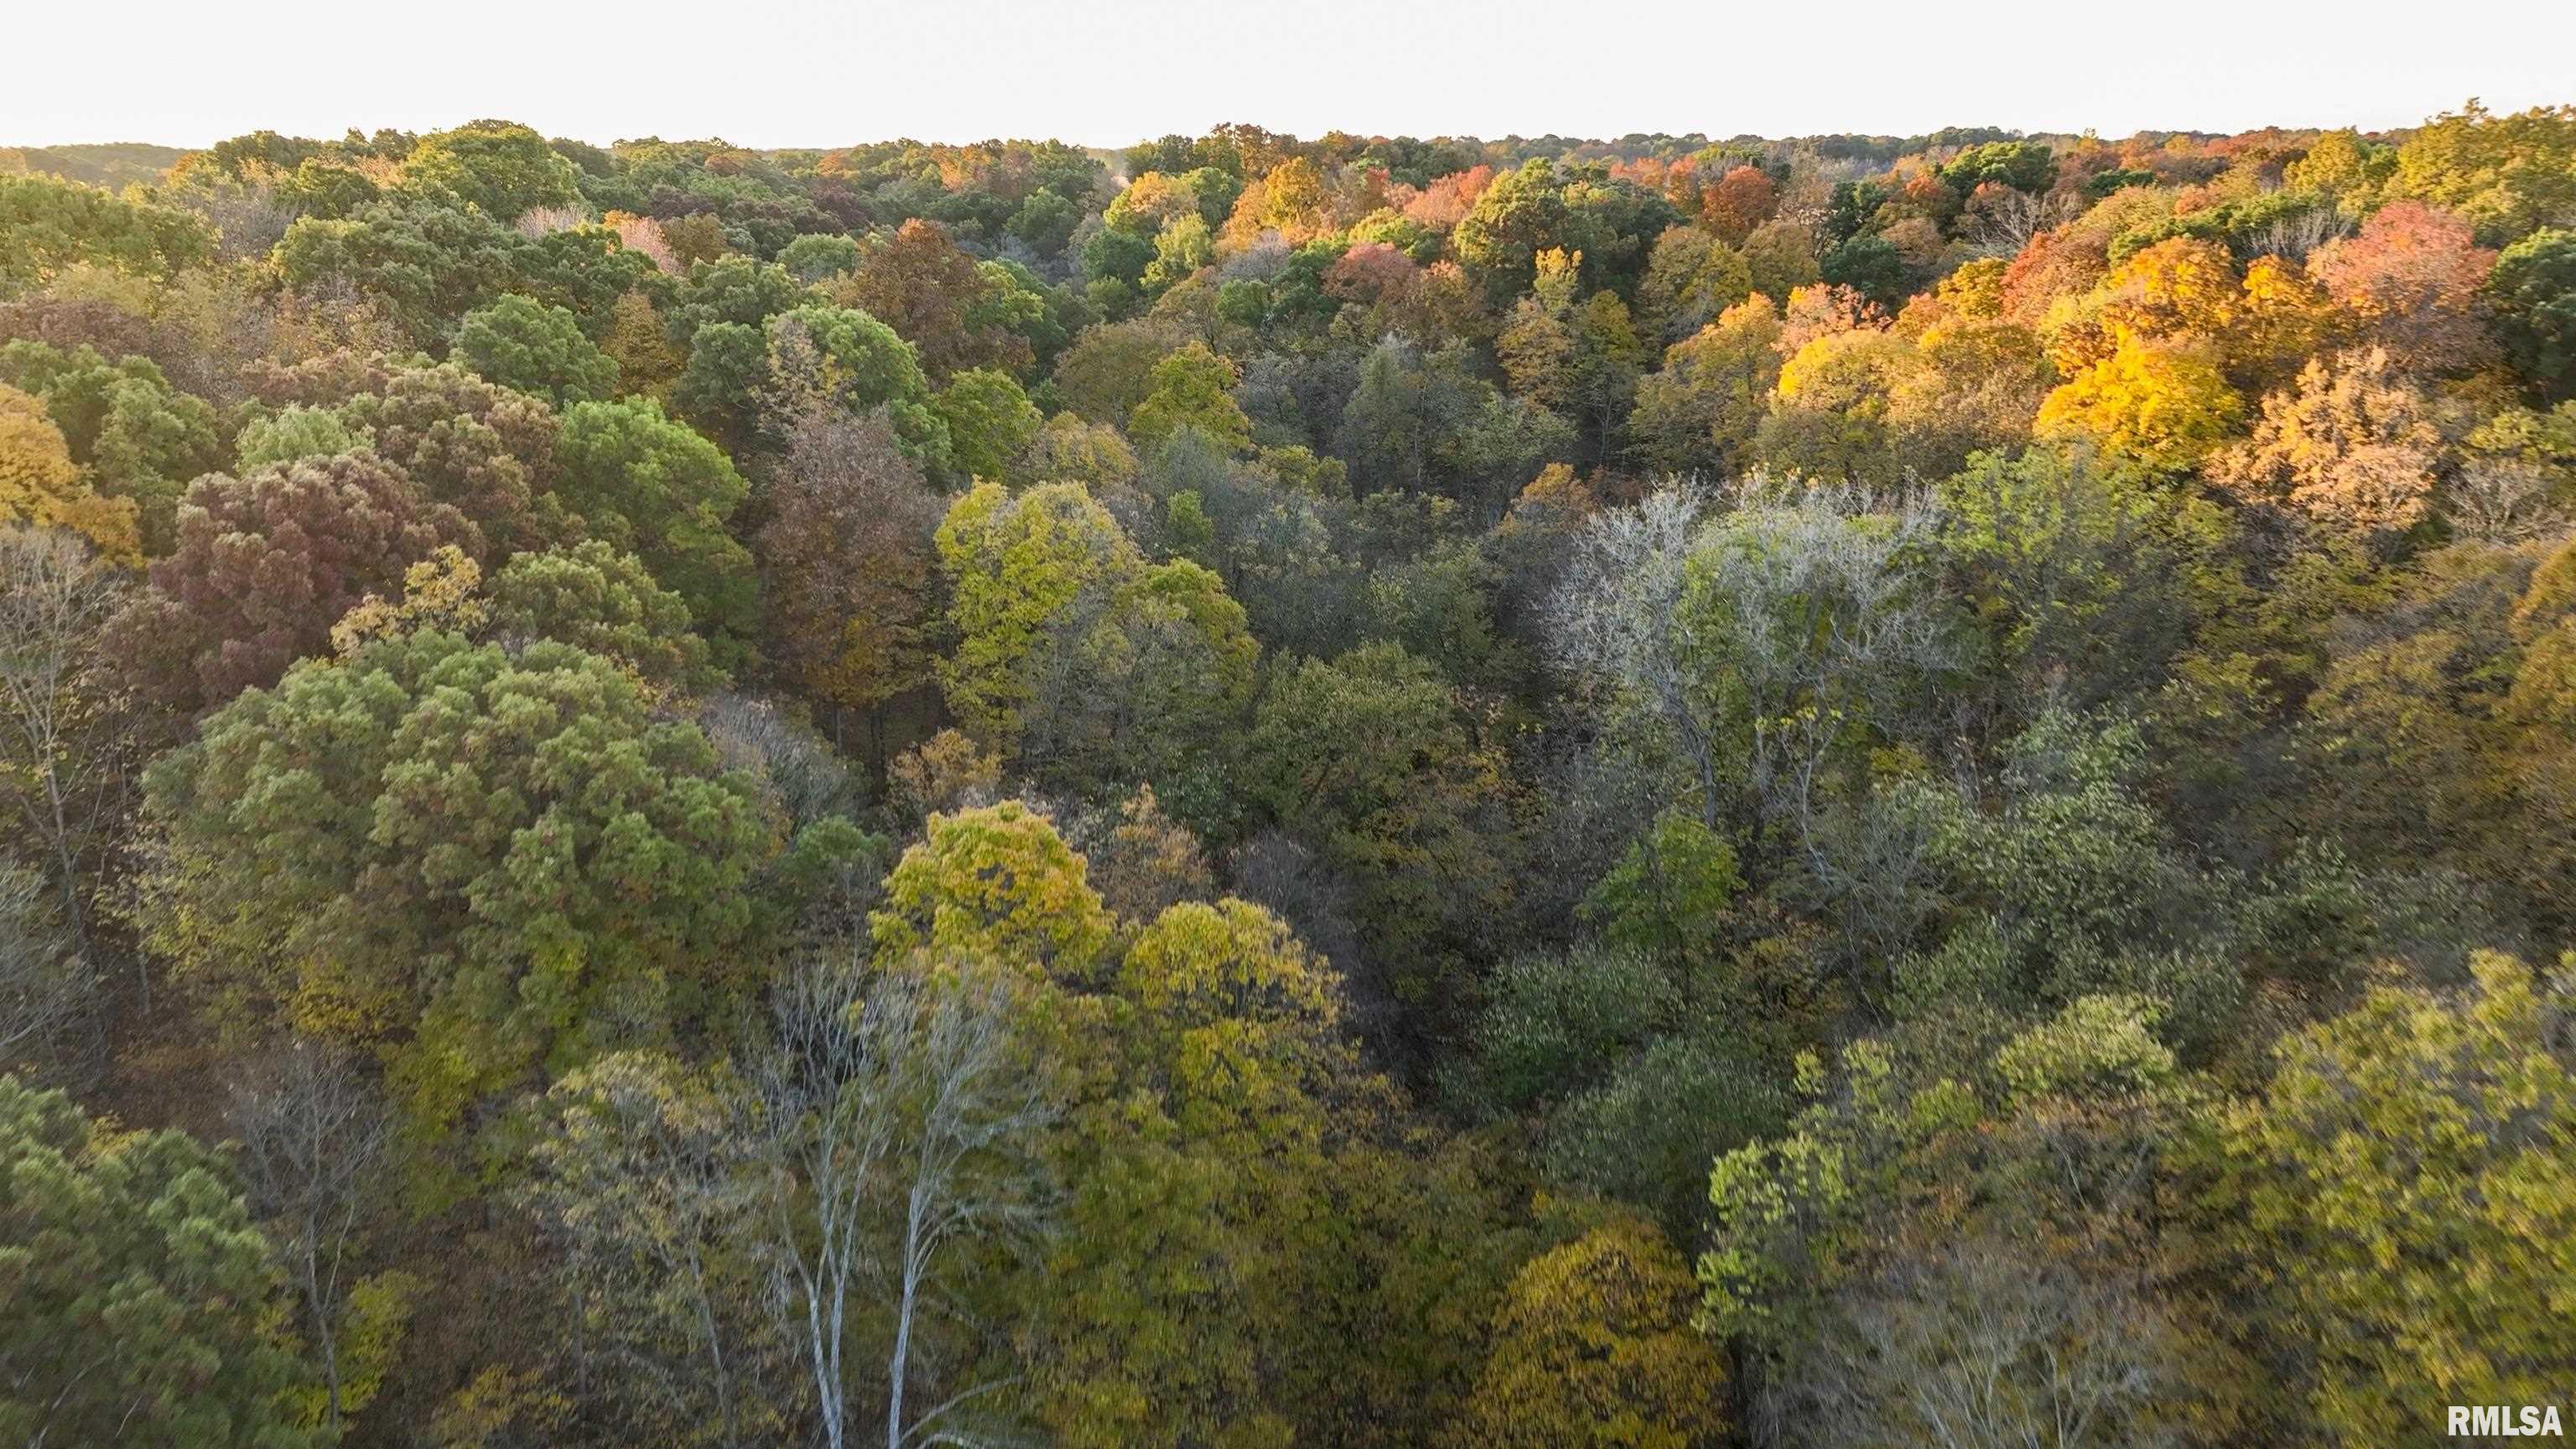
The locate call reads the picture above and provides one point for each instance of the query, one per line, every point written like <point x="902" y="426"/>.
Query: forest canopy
<point x="1354" y="791"/>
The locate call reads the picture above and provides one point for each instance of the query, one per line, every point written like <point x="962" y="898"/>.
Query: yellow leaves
<point x="2404" y="1171"/>
<point x="995" y="881"/>
<point x="439" y="592"/>
<point x="1241" y="1016"/>
<point x="1844" y="371"/>
<point x="1593" y="1347"/>
<point x="2352" y="445"/>
<point x="2161" y="405"/>
<point x="40" y="485"/>
<point x="2181" y="288"/>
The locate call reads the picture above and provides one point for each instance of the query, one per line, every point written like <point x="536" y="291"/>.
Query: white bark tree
<point x="905" y="1120"/>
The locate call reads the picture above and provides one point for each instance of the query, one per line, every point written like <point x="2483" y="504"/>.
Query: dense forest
<point x="1657" y="793"/>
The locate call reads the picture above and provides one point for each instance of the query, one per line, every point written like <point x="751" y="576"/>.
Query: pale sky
<point x="813" y="73"/>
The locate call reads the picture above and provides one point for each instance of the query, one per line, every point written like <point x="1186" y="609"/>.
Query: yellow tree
<point x="40" y="485"/>
<point x="1594" y="1349"/>
<point x="2161" y="405"/>
<point x="2351" y="445"/>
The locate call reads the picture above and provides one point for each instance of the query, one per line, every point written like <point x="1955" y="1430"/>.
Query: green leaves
<point x="141" y="1300"/>
<point x="472" y="859"/>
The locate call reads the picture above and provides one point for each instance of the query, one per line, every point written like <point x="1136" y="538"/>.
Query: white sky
<point x="816" y="73"/>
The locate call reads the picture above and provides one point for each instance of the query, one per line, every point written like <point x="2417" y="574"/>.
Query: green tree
<point x="48" y="224"/>
<point x="2533" y="291"/>
<point x="141" y="1297"/>
<point x="1520" y="215"/>
<point x="536" y="349"/>
<point x="1191" y="389"/>
<point x="2398" y="1205"/>
<point x="990" y="421"/>
<point x="502" y="167"/>
<point x="650" y="487"/>
<point x="474" y="861"/>
<point x="140" y="438"/>
<point x="1367" y="758"/>
<point x="605" y="602"/>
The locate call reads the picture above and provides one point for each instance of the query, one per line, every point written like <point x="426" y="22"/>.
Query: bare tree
<point x="1823" y="620"/>
<point x="2504" y="500"/>
<point x="830" y="1138"/>
<point x="1763" y="636"/>
<point x="1618" y="617"/>
<point x="315" y="1143"/>
<point x="2003" y="219"/>
<point x="62" y="756"/>
<point x="904" y="1119"/>
<point x="1986" y="1348"/>
<point x="2292" y="235"/>
<point x="44" y="984"/>
<point x="973" y="1112"/>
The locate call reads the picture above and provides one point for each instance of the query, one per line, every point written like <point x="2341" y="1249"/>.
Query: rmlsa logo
<point x="2503" y="1421"/>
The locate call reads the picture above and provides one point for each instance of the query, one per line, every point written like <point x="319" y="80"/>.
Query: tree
<point x="503" y="168"/>
<point x="848" y="562"/>
<point x="2024" y="165"/>
<point x="650" y="487"/>
<point x="1034" y="581"/>
<point x="316" y="1145"/>
<point x="2413" y="1247"/>
<point x="645" y="1178"/>
<point x="62" y="730"/>
<point x="41" y="487"/>
<point x="2411" y="277"/>
<point x="2158" y="406"/>
<point x="2533" y="291"/>
<point x="1697" y="416"/>
<point x="997" y="883"/>
<point x="1987" y="1344"/>
<point x="1859" y="1261"/>
<point x="47" y="225"/>
<point x="1593" y="1346"/>
<point x="599" y="600"/>
<point x="1074" y="654"/>
<point x="140" y="1293"/>
<point x="140" y="438"/>
<point x="1521" y="214"/>
<point x="44" y="981"/>
<point x="470" y="860"/>
<point x="1764" y="645"/>
<point x="536" y="349"/>
<point x="296" y="432"/>
<point x="478" y="446"/>
<point x="850" y="360"/>
<point x="2075" y="568"/>
<point x="1366" y="757"/>
<point x="1741" y="200"/>
<point x="813" y="258"/>
<point x="901" y="1094"/>
<point x="2353" y="447"/>
<point x="1691" y="278"/>
<point x="2505" y="174"/>
<point x="990" y="422"/>
<point x="1192" y="1293"/>
<point x="265" y="564"/>
<point x="1869" y="265"/>
<point x="1189" y="389"/>
<point x="918" y="281"/>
